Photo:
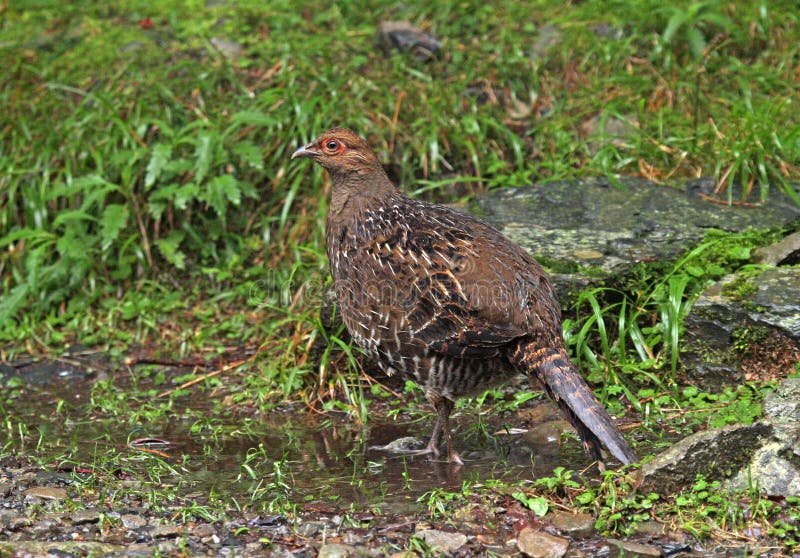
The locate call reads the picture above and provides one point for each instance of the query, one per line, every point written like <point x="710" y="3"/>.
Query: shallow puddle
<point x="263" y="461"/>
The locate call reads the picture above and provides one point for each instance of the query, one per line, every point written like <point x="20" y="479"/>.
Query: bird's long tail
<point x="564" y="384"/>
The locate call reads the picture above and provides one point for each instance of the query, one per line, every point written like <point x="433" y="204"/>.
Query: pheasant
<point x="445" y="299"/>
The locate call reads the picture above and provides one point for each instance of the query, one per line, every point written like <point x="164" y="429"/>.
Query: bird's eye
<point x="332" y="145"/>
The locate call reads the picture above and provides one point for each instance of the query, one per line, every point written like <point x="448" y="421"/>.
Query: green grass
<point x="171" y="159"/>
<point x="148" y="202"/>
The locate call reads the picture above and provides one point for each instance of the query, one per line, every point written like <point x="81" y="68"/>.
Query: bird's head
<point x="341" y="152"/>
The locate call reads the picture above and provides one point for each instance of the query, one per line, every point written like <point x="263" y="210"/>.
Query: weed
<point x="537" y="504"/>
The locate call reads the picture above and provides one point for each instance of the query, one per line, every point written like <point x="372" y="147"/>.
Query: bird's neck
<point x="353" y="192"/>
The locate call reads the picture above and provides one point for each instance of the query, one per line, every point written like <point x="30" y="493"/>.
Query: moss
<point x="745" y="337"/>
<point x="740" y="289"/>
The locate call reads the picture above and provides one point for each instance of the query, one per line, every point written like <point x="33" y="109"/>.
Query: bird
<point x="444" y="299"/>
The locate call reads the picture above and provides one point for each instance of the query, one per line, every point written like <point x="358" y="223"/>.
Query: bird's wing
<point x="470" y="296"/>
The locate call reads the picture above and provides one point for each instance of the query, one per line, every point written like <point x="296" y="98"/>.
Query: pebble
<point x="310" y="528"/>
<point x="46" y="493"/>
<point x="41" y="529"/>
<point x="576" y="525"/>
<point x="537" y="544"/>
<point x="203" y="530"/>
<point x="401" y="445"/>
<point x="133" y="521"/>
<point x="630" y="549"/>
<point x="229" y="49"/>
<point x="18" y="522"/>
<point x="335" y="550"/>
<point x="442" y="541"/>
<point x="168" y="530"/>
<point x="7" y="517"/>
<point x="82" y="517"/>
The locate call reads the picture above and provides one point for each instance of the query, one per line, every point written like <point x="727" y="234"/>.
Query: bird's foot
<point x="433" y="450"/>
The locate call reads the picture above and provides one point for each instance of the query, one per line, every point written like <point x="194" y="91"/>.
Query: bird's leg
<point x="441" y="429"/>
<point x="436" y="437"/>
<point x="443" y="408"/>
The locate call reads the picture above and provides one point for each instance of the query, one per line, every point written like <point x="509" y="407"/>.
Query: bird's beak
<point x="305" y="151"/>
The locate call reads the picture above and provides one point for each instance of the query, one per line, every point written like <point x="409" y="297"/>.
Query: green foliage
<point x="634" y="332"/>
<point x="740" y="405"/>
<point x="134" y="153"/>
<point x="146" y="193"/>
<point x="690" y="27"/>
<point x="787" y="526"/>
<point x="537" y="504"/>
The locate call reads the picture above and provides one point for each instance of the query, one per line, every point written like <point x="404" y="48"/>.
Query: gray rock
<point x="133" y="521"/>
<point x="46" y="493"/>
<point x="442" y="541"/>
<point x="42" y="529"/>
<point x="630" y="549"/>
<point x="783" y="405"/>
<point x="203" y="530"/>
<point x="774" y="468"/>
<point x="310" y="528"/>
<point x="405" y="444"/>
<point x="71" y="548"/>
<point x="167" y="530"/>
<point x="335" y="550"/>
<point x="82" y="517"/>
<point x="608" y="227"/>
<point x="546" y="433"/>
<point x="785" y="252"/>
<point x="404" y="36"/>
<point x="575" y="525"/>
<point x="717" y="453"/>
<point x="7" y="518"/>
<point x="734" y="314"/>
<point x="537" y="544"/>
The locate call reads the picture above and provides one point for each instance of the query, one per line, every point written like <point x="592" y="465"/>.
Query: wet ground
<point x="187" y="477"/>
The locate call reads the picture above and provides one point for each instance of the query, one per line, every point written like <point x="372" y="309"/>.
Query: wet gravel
<point x="46" y="513"/>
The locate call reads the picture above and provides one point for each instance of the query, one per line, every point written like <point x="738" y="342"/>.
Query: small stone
<point x="785" y="252"/>
<point x="352" y="539"/>
<point x="442" y="541"/>
<point x="546" y="433"/>
<point x="7" y="517"/>
<point x="202" y="530"/>
<point x="82" y="517"/>
<point x="229" y="49"/>
<point x="537" y="544"/>
<point x="404" y="36"/>
<point x="43" y="528"/>
<point x="336" y="550"/>
<point x="168" y="530"/>
<point x="133" y="521"/>
<point x="651" y="528"/>
<point x="401" y="445"/>
<point x="630" y="549"/>
<point x="131" y="46"/>
<point x="576" y="525"/>
<point x="549" y="37"/>
<point x="310" y="528"/>
<point x="18" y="522"/>
<point x="5" y="489"/>
<point x="46" y="493"/>
<point x="166" y="548"/>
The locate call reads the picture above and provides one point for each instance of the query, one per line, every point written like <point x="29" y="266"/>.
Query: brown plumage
<point x="443" y="298"/>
